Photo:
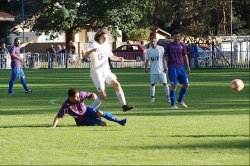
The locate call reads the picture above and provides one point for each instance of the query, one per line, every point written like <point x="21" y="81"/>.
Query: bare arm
<point x="115" y="58"/>
<point x="187" y="63"/>
<point x="87" y="54"/>
<point x="165" y="63"/>
<point x="146" y="67"/>
<point x="15" y="57"/>
<point x="56" y="120"/>
<point x="25" y="44"/>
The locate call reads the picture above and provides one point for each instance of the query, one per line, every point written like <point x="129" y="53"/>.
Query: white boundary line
<point x="53" y="102"/>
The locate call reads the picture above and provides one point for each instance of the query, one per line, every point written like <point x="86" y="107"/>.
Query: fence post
<point x="235" y="53"/>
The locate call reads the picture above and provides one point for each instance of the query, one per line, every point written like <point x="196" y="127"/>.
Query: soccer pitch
<point x="213" y="130"/>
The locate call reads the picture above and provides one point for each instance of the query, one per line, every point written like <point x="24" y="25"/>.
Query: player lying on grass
<point x="84" y="115"/>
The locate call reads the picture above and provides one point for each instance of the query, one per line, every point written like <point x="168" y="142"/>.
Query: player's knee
<point x="103" y="123"/>
<point x="99" y="113"/>
<point x="116" y="84"/>
<point x="102" y="96"/>
<point x="23" y="77"/>
<point x="186" y="86"/>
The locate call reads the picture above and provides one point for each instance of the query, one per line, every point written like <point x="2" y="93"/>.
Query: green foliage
<point x="213" y="130"/>
<point x="139" y="34"/>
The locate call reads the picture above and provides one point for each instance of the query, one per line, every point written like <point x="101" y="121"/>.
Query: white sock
<point x="152" y="91"/>
<point x="166" y="88"/>
<point x="97" y="103"/>
<point x="121" y="97"/>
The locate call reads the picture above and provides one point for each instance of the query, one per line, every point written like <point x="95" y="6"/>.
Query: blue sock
<point x="24" y="84"/>
<point x="182" y="94"/>
<point x="172" y="97"/>
<point x="111" y="117"/>
<point x="11" y="84"/>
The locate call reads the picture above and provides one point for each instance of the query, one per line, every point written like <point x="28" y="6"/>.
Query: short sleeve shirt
<point x="155" y="56"/>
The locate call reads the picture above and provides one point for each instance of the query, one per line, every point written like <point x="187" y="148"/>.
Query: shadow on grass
<point x="203" y="136"/>
<point x="202" y="144"/>
<point x="181" y="113"/>
<point x="158" y="112"/>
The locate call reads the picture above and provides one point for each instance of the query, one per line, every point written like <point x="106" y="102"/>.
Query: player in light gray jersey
<point x="157" y="58"/>
<point x="99" y="52"/>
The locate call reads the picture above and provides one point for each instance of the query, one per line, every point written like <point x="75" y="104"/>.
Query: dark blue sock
<point x="11" y="84"/>
<point x="182" y="94"/>
<point x="24" y="84"/>
<point x="111" y="117"/>
<point x="172" y="97"/>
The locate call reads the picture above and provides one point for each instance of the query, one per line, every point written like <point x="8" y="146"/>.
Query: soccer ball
<point x="237" y="85"/>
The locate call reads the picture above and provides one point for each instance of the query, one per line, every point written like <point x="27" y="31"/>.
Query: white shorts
<point x="156" y="77"/>
<point x="100" y="77"/>
<point x="73" y="56"/>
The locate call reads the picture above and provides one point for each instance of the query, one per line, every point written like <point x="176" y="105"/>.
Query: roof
<point x="6" y="16"/>
<point x="161" y="32"/>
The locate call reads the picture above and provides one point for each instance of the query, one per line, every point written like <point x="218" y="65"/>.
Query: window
<point x="9" y="41"/>
<point x="23" y="40"/>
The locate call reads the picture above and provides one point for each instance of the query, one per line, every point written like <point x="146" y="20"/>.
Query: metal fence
<point x="224" y="59"/>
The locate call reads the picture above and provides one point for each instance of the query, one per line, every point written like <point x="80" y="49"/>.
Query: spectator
<point x="59" y="59"/>
<point x="51" y="55"/>
<point x="64" y="56"/>
<point x="3" y="56"/>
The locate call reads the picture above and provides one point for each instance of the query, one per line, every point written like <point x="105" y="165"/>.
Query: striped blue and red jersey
<point x="175" y="53"/>
<point x="15" y="50"/>
<point x="75" y="109"/>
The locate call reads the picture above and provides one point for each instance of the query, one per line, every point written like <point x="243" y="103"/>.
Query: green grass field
<point x="213" y="130"/>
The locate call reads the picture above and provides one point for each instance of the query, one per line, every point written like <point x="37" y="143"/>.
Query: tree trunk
<point x="69" y="38"/>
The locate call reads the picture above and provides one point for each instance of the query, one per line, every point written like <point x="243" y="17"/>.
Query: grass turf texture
<point x="213" y="130"/>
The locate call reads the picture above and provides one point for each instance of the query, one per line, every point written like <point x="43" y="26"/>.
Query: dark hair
<point x="16" y="39"/>
<point x="72" y="92"/>
<point x="175" y="32"/>
<point x="100" y="33"/>
<point x="152" y="35"/>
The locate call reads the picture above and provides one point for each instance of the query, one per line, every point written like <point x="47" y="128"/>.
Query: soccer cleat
<point x="10" y="93"/>
<point x="29" y="91"/>
<point x="168" y="100"/>
<point x="182" y="104"/>
<point x="126" y="108"/>
<point x="152" y="99"/>
<point x="123" y="122"/>
<point x="174" y="107"/>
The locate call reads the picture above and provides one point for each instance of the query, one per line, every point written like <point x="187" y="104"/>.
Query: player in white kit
<point x="157" y="58"/>
<point x="99" y="52"/>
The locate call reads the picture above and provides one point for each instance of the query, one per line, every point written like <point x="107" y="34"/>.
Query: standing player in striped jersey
<point x="158" y="70"/>
<point x="16" y="61"/>
<point x="177" y="54"/>
<point x="84" y="115"/>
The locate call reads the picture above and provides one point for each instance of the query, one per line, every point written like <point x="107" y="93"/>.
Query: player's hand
<point x="165" y="69"/>
<point x="93" y="96"/>
<point x="146" y="70"/>
<point x="21" y="60"/>
<point x="32" y="41"/>
<point x="121" y="59"/>
<point x="97" y="49"/>
<point x="188" y="70"/>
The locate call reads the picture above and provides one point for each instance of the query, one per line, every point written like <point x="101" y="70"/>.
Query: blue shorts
<point x="17" y="72"/>
<point x="91" y="117"/>
<point x="177" y="73"/>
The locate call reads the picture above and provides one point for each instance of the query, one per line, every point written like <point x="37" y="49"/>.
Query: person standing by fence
<point x="177" y="54"/>
<point x="3" y="56"/>
<point x="51" y="55"/>
<point x="16" y="61"/>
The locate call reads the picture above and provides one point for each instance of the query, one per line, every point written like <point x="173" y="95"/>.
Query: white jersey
<point x="155" y="56"/>
<point x="99" y="60"/>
